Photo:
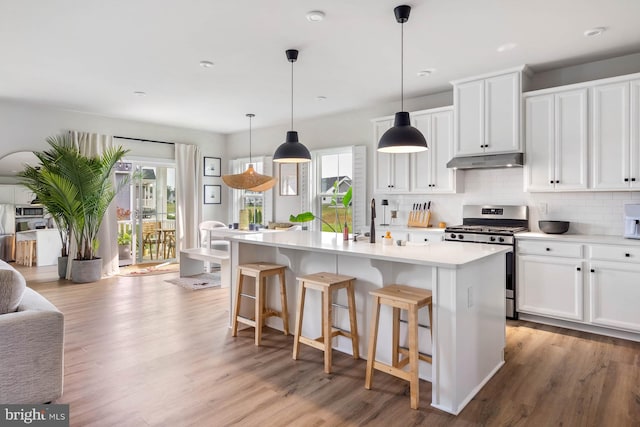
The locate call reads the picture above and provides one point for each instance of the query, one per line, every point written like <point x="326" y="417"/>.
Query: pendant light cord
<point x="250" y="159"/>
<point x="402" y="67"/>
<point x="291" y="95"/>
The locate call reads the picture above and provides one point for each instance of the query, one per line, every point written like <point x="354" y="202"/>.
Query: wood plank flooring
<point x="142" y="352"/>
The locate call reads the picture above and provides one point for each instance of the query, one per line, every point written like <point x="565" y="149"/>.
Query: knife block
<point x="419" y="218"/>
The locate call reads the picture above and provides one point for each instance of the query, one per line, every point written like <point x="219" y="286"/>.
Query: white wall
<point x="24" y="127"/>
<point x="589" y="212"/>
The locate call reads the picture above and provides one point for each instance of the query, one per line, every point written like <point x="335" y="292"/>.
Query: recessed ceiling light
<point x="206" y="64"/>
<point x="594" y="32"/>
<point x="321" y="98"/>
<point x="426" y="72"/>
<point x="315" y="16"/>
<point x="505" y="47"/>
<point x="140" y="93"/>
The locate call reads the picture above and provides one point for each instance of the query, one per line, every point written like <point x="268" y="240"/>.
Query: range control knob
<point x="460" y="236"/>
<point x="493" y="239"/>
<point x="453" y="236"/>
<point x="501" y="239"/>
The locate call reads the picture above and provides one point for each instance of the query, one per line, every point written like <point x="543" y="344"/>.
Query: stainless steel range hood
<point x="487" y="162"/>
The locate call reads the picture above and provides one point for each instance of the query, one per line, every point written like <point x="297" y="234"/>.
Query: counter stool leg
<point x="413" y="356"/>
<point x="283" y="301"/>
<point x="430" y="308"/>
<point x="236" y="304"/>
<point x="395" y="340"/>
<point x="372" y="342"/>
<point x="298" y="328"/>
<point x="326" y="326"/>
<point x="260" y="293"/>
<point x="353" y="321"/>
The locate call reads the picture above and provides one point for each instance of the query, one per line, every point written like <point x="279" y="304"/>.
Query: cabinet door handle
<point x="579" y="269"/>
<point x="557" y="181"/>
<point x="592" y="270"/>
<point x="551" y="182"/>
<point x="548" y="249"/>
<point x="633" y="179"/>
<point x="627" y="255"/>
<point x="426" y="240"/>
<point x="626" y="180"/>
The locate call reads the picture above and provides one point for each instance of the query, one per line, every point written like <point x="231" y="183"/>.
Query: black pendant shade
<point x="402" y="137"/>
<point x="292" y="151"/>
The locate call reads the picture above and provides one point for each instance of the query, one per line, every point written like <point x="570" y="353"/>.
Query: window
<point x="335" y="171"/>
<point x="256" y="205"/>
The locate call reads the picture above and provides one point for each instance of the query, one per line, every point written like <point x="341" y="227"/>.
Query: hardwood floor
<point x="140" y="351"/>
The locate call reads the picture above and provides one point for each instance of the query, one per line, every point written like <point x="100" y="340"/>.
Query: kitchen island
<point x="468" y="285"/>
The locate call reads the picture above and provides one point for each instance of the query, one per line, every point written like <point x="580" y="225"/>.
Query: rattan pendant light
<point x="250" y="179"/>
<point x="402" y="137"/>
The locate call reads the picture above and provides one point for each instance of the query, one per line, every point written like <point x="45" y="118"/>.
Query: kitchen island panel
<point x="468" y="295"/>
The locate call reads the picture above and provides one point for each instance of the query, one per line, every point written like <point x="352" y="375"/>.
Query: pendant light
<point x="292" y="151"/>
<point x="250" y="179"/>
<point x="402" y="137"/>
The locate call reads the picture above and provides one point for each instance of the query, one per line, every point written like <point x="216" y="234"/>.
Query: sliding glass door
<point x="147" y="213"/>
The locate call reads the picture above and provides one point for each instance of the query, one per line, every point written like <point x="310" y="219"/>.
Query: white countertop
<point x="439" y="254"/>
<point x="581" y="238"/>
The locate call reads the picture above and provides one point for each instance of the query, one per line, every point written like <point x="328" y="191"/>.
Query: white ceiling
<point x="92" y="55"/>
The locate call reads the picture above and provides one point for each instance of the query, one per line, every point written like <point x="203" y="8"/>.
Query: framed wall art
<point x="212" y="166"/>
<point x="212" y="195"/>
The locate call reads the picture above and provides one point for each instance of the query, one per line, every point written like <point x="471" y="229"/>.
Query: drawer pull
<point x="627" y="255"/>
<point x="548" y="249"/>
<point x="579" y="269"/>
<point x="626" y="180"/>
<point x="592" y="270"/>
<point x="633" y="179"/>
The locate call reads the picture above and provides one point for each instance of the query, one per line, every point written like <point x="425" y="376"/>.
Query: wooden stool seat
<point x="260" y="271"/>
<point x="326" y="283"/>
<point x="411" y="299"/>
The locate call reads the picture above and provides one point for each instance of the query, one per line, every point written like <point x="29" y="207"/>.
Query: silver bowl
<point x="554" y="227"/>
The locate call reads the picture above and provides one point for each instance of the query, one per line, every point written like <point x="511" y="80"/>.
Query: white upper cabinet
<point x="487" y="114"/>
<point x="610" y="136"/>
<point x="429" y="172"/>
<point x="634" y="151"/>
<point x="392" y="170"/>
<point x="556" y="141"/>
<point x="616" y="142"/>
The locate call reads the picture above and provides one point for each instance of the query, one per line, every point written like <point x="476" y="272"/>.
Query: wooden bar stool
<point x="260" y="271"/>
<point x="326" y="283"/>
<point x="411" y="299"/>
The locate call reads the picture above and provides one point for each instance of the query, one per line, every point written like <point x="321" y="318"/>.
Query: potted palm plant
<point x="80" y="188"/>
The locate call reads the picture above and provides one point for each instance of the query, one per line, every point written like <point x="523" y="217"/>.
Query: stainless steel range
<point x="494" y="224"/>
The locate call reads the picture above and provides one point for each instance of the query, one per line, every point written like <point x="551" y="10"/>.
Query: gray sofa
<point x="31" y="343"/>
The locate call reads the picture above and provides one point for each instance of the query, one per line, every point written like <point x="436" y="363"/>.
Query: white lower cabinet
<point x="614" y="289"/>
<point x="589" y="282"/>
<point x="550" y="286"/>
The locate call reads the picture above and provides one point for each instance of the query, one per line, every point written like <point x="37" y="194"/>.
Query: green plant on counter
<point x="346" y="202"/>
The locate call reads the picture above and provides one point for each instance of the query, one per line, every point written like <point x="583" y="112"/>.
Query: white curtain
<point x="93" y="144"/>
<point x="188" y="195"/>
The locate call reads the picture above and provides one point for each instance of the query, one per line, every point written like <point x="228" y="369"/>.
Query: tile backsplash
<point x="590" y="212"/>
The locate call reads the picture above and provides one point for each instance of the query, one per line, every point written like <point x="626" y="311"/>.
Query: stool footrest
<point x="396" y="372"/>
<point x="248" y="296"/>
<point x="335" y="304"/>
<point x="246" y="321"/>
<point x="422" y="356"/>
<point x="317" y="343"/>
